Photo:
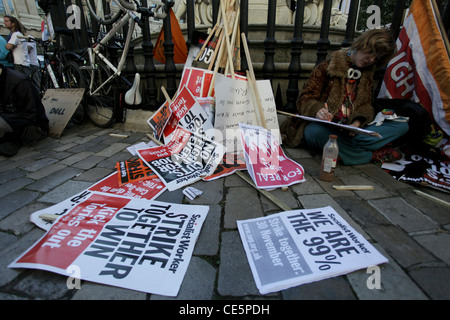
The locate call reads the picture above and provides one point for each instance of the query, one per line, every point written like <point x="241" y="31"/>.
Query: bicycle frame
<point x="131" y="10"/>
<point x="95" y="51"/>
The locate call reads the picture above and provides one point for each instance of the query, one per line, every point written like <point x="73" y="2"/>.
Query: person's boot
<point x="9" y="149"/>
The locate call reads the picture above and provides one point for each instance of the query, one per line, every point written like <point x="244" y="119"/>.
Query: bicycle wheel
<point x="107" y="19"/>
<point x="74" y="78"/>
<point x="100" y="106"/>
<point x="41" y="81"/>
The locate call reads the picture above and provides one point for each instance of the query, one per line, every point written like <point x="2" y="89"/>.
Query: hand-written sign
<point x="235" y="102"/>
<point x="60" y="105"/>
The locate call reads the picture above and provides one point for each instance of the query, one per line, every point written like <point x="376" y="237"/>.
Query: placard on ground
<point x="60" y="105"/>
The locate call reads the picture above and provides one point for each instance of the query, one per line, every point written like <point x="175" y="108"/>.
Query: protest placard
<point x="131" y="243"/>
<point x="159" y="120"/>
<point x="197" y="81"/>
<point x="187" y="112"/>
<point x="133" y="170"/>
<point x="266" y="162"/>
<point x="426" y="170"/>
<point x="301" y="246"/>
<point x="235" y="103"/>
<point x="231" y="163"/>
<point x="146" y="189"/>
<point x="185" y="159"/>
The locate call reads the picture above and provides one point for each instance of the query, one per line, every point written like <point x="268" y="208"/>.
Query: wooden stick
<point x="218" y="48"/>
<point x="350" y="187"/>
<point x="259" y="109"/>
<point x="233" y="38"/>
<point x="159" y="143"/>
<point x="253" y="79"/>
<point x="50" y="217"/>
<point x="225" y="24"/>
<point x="433" y="198"/>
<point x="216" y="68"/>
<point x="266" y="193"/>
<point x="209" y="36"/>
<point x="286" y="113"/>
<point x="166" y="95"/>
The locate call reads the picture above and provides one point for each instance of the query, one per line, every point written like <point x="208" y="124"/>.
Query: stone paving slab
<point x="411" y="231"/>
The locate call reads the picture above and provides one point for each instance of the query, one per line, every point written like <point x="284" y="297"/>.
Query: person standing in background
<point x="4" y="54"/>
<point x="17" y="45"/>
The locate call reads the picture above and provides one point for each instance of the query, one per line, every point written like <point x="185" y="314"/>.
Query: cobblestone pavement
<point x="411" y="231"/>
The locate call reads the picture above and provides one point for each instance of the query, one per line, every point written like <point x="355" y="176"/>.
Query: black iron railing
<point x="80" y="39"/>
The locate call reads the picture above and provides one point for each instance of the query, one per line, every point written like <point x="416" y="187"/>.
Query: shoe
<point x="9" y="149"/>
<point x="386" y="154"/>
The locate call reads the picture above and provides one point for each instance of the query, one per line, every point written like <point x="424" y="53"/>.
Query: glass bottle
<point x="329" y="159"/>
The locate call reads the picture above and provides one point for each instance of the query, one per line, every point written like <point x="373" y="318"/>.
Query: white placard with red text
<point x="131" y="243"/>
<point x="266" y="162"/>
<point x="148" y="189"/>
<point x="187" y="158"/>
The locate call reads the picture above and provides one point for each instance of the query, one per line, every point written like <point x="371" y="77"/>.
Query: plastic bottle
<point x="329" y="159"/>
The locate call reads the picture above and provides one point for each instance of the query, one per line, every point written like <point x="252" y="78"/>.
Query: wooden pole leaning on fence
<point x="221" y="51"/>
<point x="252" y="80"/>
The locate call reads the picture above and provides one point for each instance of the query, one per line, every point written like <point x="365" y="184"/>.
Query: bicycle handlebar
<point x="150" y="11"/>
<point x="33" y="39"/>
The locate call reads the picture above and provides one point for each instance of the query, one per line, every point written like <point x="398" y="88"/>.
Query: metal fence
<point x="79" y="39"/>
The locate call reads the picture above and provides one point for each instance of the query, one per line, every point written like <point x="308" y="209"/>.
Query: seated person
<point x="340" y="90"/>
<point x="22" y="116"/>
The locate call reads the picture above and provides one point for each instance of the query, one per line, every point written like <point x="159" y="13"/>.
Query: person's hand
<point x="324" y="114"/>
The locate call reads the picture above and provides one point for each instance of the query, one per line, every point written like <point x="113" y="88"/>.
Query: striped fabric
<point x="421" y="69"/>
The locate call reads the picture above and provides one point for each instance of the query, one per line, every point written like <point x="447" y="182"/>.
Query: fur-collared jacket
<point x="327" y="85"/>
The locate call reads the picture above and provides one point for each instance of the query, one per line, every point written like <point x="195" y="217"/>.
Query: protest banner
<point x="133" y="170"/>
<point x="266" y="162"/>
<point x="185" y="159"/>
<point x="197" y="81"/>
<point x="430" y="171"/>
<point x="235" y="103"/>
<point x="187" y="112"/>
<point x="146" y="189"/>
<point x="231" y="163"/>
<point x="131" y="243"/>
<point x="301" y="246"/>
<point x="421" y="68"/>
<point x="159" y="120"/>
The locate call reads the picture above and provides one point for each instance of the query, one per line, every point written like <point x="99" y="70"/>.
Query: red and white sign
<point x="266" y="162"/>
<point x="148" y="189"/>
<point x="188" y="157"/>
<point x="421" y="68"/>
<point x="187" y="112"/>
<point x="131" y="243"/>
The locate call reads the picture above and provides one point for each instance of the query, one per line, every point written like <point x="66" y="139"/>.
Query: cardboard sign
<point x="137" y="244"/>
<point x="301" y="246"/>
<point x="266" y="162"/>
<point x="148" y="189"/>
<point x="235" y="103"/>
<point x="60" y="105"/>
<point x="187" y="158"/>
<point x="187" y="112"/>
<point x="159" y="120"/>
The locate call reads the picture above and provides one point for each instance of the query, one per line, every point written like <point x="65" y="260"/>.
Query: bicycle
<point x="103" y="77"/>
<point x="58" y="71"/>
